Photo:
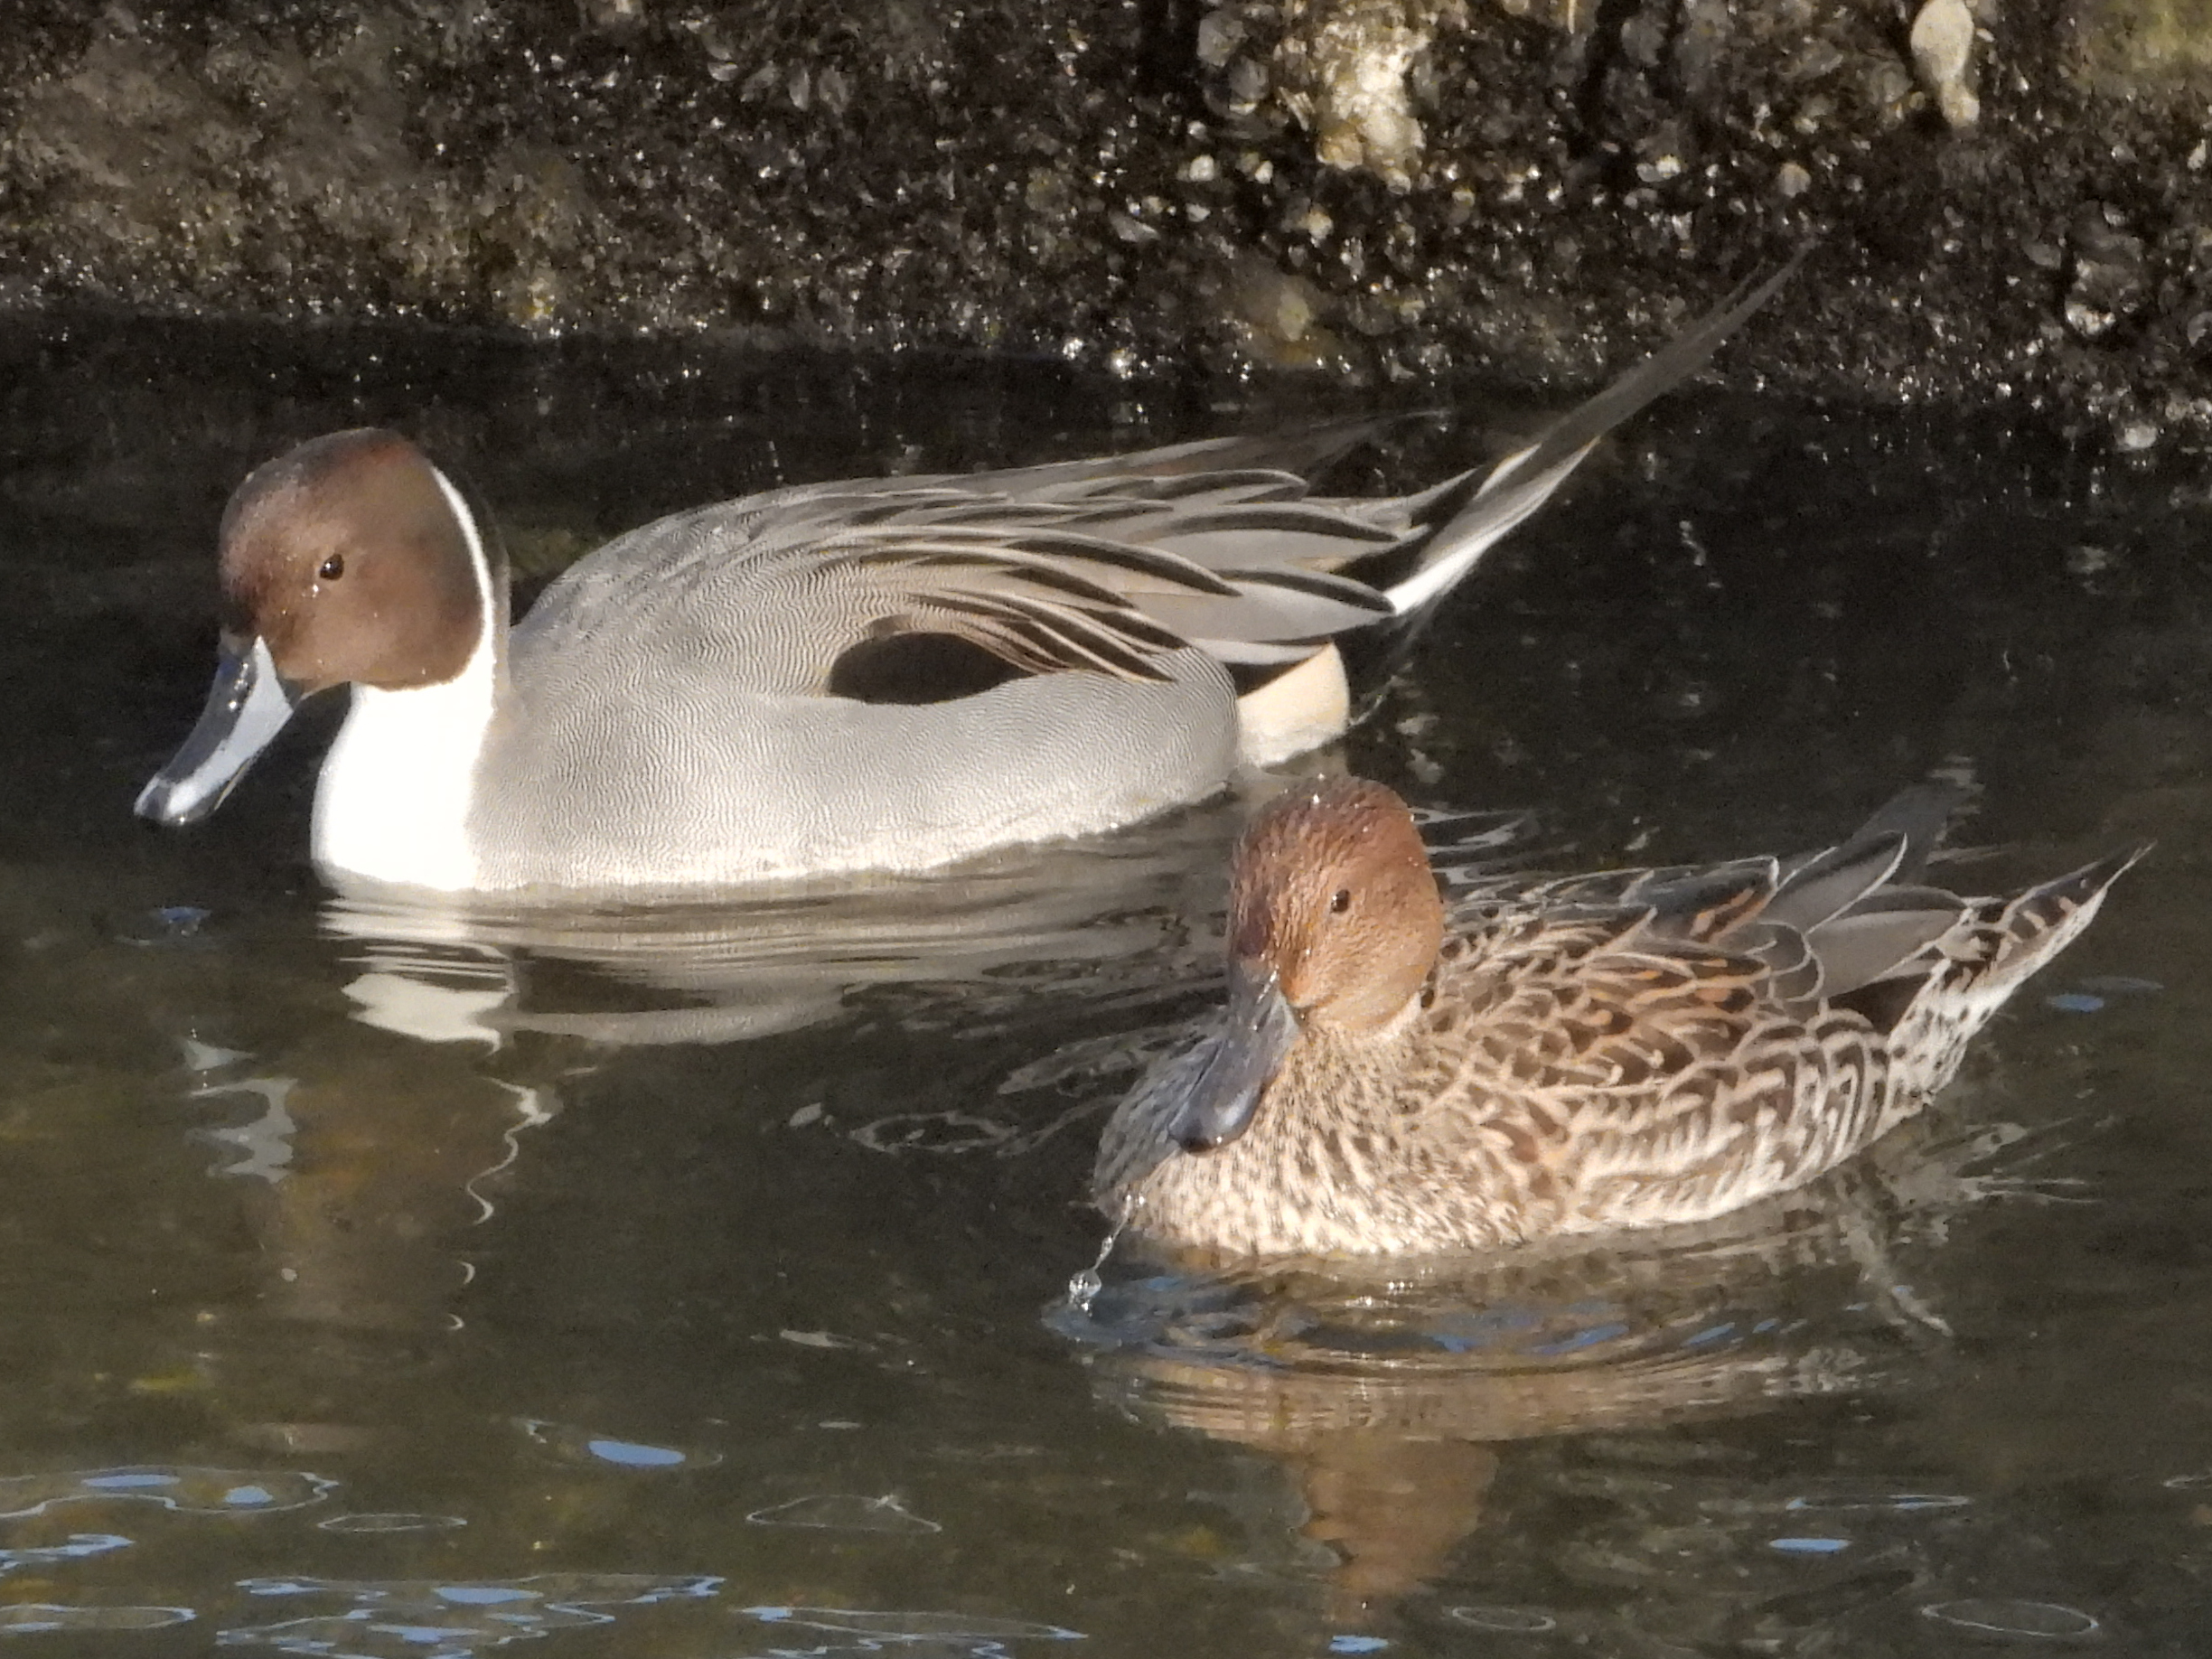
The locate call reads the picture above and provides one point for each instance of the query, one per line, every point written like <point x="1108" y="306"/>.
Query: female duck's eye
<point x="1340" y="900"/>
<point x="332" y="567"/>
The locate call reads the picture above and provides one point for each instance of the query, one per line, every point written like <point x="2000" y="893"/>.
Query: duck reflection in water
<point x="1394" y="1393"/>
<point x="1112" y="916"/>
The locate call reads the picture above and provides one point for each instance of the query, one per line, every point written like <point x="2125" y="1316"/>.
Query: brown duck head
<point x="348" y="560"/>
<point x="1334" y="923"/>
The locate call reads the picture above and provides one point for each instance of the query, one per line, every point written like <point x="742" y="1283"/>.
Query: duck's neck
<point x="393" y="804"/>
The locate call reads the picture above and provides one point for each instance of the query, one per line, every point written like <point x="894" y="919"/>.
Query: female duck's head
<point x="1334" y="922"/>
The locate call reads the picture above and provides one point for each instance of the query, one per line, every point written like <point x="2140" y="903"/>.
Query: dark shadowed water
<point x="692" y="1283"/>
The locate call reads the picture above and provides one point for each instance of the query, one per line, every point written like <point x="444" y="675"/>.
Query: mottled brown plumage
<point x="1577" y="1057"/>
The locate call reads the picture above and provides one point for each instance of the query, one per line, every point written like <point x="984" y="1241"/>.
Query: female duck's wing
<point x="1688" y="1040"/>
<point x="1824" y="923"/>
<point x="1640" y="1075"/>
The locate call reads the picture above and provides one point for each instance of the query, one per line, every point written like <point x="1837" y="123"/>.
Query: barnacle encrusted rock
<point x="1392" y="188"/>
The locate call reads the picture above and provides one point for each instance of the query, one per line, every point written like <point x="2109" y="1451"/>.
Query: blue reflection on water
<point x="202" y="1491"/>
<point x="445" y="1619"/>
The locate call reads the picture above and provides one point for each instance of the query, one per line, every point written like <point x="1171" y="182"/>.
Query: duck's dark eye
<point x="1340" y="900"/>
<point x="332" y="567"/>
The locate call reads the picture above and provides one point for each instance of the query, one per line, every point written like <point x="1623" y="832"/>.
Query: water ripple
<point x="1897" y="1503"/>
<point x="43" y="1618"/>
<point x="847" y="1511"/>
<point x="392" y="1521"/>
<point x="584" y="1446"/>
<point x="193" y="1491"/>
<point x="934" y="1132"/>
<point x="1997" y="1615"/>
<point x="924" y="1627"/>
<point x="427" y="1619"/>
<point x="79" y="1545"/>
<point x="1513" y="1621"/>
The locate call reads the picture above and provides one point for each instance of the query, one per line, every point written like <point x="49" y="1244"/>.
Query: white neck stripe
<point x="396" y="790"/>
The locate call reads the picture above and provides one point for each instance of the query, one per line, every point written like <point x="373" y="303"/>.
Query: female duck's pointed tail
<point x="2035" y="925"/>
<point x="1993" y="949"/>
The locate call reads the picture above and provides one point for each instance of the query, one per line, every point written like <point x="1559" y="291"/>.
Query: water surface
<point x="692" y="1282"/>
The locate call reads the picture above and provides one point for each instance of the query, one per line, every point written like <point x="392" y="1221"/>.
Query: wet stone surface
<point x="2013" y="203"/>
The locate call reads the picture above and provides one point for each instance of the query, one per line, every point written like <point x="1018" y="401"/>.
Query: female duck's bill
<point x="1572" y="1056"/>
<point x="1258" y="1030"/>
<point x="878" y="674"/>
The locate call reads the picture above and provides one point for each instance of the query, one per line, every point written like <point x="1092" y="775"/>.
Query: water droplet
<point x="1084" y="1287"/>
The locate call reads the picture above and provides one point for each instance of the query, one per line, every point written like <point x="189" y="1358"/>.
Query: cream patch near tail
<point x="1299" y="709"/>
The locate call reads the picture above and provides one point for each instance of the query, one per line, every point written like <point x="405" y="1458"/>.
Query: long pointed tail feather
<point x="1523" y="481"/>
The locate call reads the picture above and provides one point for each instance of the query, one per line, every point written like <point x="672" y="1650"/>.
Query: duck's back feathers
<point x="1108" y="564"/>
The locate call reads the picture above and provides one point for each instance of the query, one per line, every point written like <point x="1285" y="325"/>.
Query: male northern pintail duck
<point x="1395" y="1076"/>
<point x="887" y="674"/>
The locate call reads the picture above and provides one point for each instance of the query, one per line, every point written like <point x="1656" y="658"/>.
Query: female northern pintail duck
<point x="881" y="674"/>
<point x="1393" y="1076"/>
